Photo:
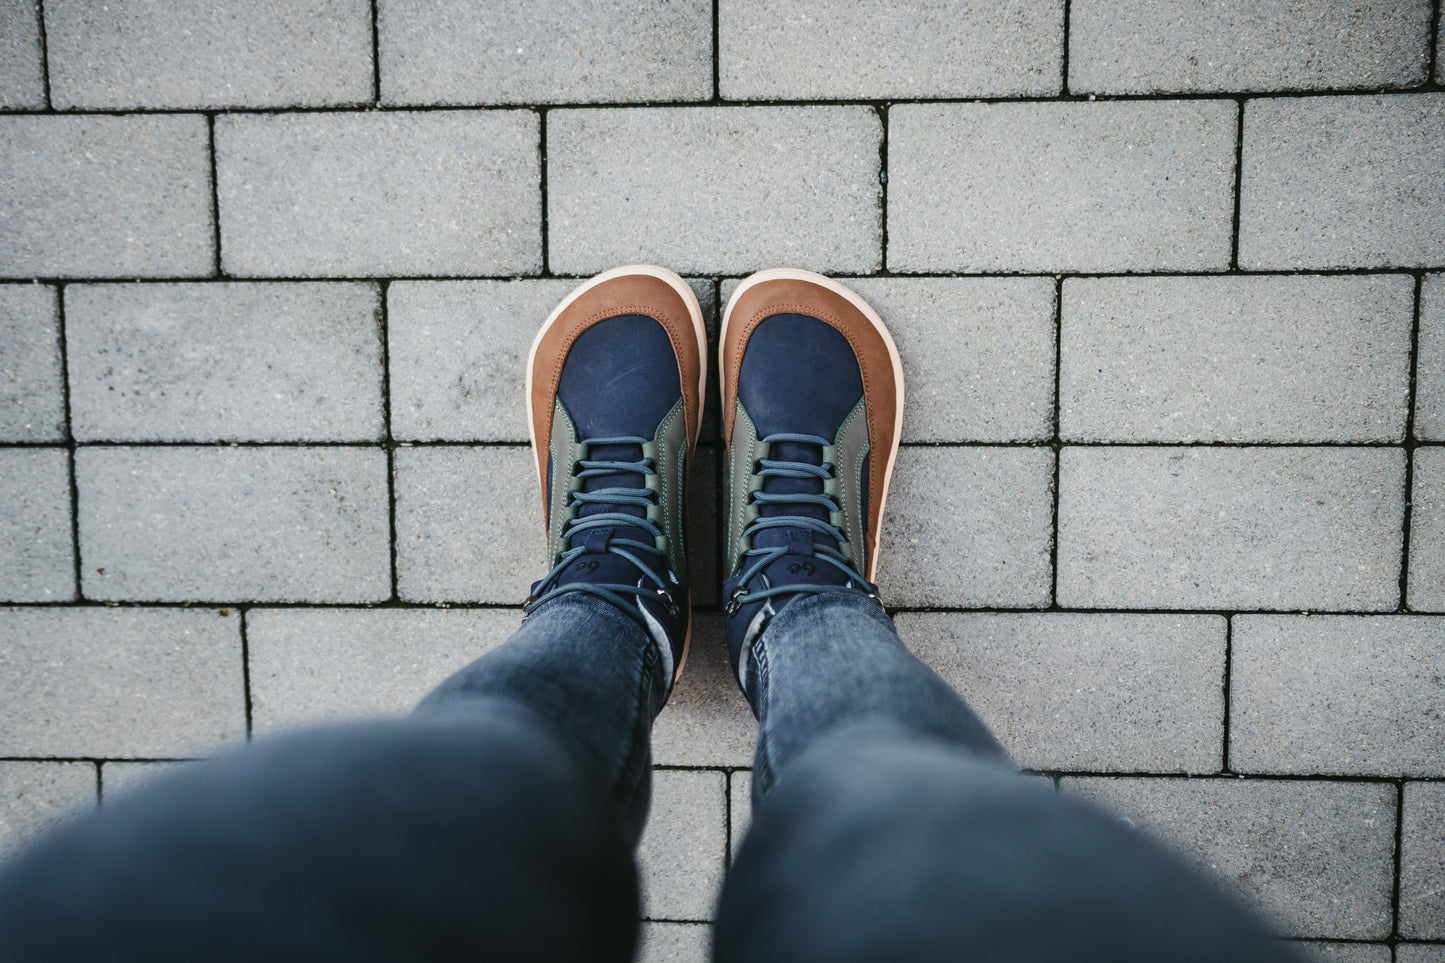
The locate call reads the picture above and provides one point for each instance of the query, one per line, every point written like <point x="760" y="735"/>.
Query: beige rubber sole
<point x="694" y="312"/>
<point x="791" y="274"/>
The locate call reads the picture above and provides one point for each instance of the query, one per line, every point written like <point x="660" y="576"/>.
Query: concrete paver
<point x="1342" y="695"/>
<point x="325" y="665"/>
<point x="38" y="797"/>
<point x="1247" y="359"/>
<point x="978" y="355"/>
<point x="1139" y="47"/>
<point x="1426" y="589"/>
<point x="1419" y="953"/>
<point x="37" y="547"/>
<point x="1422" y="862"/>
<point x="224" y="362"/>
<point x="684" y="848"/>
<point x="1105" y="692"/>
<point x="22" y="70"/>
<point x="553" y="51"/>
<point x="1271" y="528"/>
<point x="674" y="943"/>
<point x="1346" y="952"/>
<point x="1316" y="857"/>
<point x="873" y="49"/>
<point x="986" y="511"/>
<point x="1340" y="182"/>
<point x="443" y="193"/>
<point x="740" y="807"/>
<point x="105" y="196"/>
<point x="233" y="524"/>
<point x="223" y="53"/>
<point x="1430" y="361"/>
<point x="32" y="393"/>
<point x="706" y="722"/>
<point x="135" y="682"/>
<point x="1118" y="186"/>
<point x="712" y="196"/>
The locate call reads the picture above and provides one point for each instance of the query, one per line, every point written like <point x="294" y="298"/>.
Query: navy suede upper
<point x="606" y="398"/>
<point x="798" y="375"/>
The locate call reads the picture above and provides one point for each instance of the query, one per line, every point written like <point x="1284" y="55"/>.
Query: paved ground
<point x="1166" y="282"/>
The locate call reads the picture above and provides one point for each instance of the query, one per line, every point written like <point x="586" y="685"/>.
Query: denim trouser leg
<point x="486" y="825"/>
<point x="886" y="827"/>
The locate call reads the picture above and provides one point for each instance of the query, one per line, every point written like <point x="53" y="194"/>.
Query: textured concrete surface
<point x="268" y="524"/>
<point x="1337" y="182"/>
<point x="874" y="49"/>
<point x="443" y="193"/>
<point x="32" y="393"/>
<point x="22" y="68"/>
<point x="1121" y="693"/>
<point x="118" y="778"/>
<point x="1419" y="953"/>
<point x="555" y="51"/>
<point x="224" y="362"/>
<point x="1120" y="186"/>
<point x="684" y="849"/>
<point x="1141" y="47"/>
<point x="1248" y="359"/>
<point x="968" y="526"/>
<point x="706" y="722"/>
<point x="137" y="683"/>
<point x="712" y="196"/>
<point x="740" y="795"/>
<point x="310" y="665"/>
<point x="1430" y="363"/>
<point x="225" y="53"/>
<point x="1315" y="857"/>
<point x="1270" y="528"/>
<point x="1343" y="695"/>
<point x="1426" y="591"/>
<point x="37" y="547"/>
<point x="37" y="797"/>
<point x="1422" y="862"/>
<point x="105" y="196"/>
<point x="1345" y="952"/>
<point x="978" y="355"/>
<point x="674" y="943"/>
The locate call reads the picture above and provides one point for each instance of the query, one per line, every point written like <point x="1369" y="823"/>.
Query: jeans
<point x="498" y="821"/>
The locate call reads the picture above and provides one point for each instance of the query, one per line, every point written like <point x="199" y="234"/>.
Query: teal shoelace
<point x="756" y="560"/>
<point x="634" y="550"/>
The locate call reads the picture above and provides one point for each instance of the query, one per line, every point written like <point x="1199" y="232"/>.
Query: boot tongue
<point x="596" y="563"/>
<point x="798" y="565"/>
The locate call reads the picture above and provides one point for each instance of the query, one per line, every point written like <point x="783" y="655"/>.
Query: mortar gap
<point x="375" y="55"/>
<point x="882" y="110"/>
<point x="69" y="435"/>
<point x="1409" y="448"/>
<point x="1399" y="839"/>
<point x="716" y="41"/>
<point x="542" y="172"/>
<point x="1228" y="667"/>
<point x="215" y="197"/>
<point x="1238" y="182"/>
<point x="1057" y="441"/>
<point x="246" y="670"/>
<point x="1434" y="41"/>
<point x="44" y="53"/>
<point x="383" y="320"/>
<point x="1064" y="60"/>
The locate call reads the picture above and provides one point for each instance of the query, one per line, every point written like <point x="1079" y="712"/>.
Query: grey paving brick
<point x="1426" y="590"/>
<point x="378" y="194"/>
<point x="120" y="682"/>
<point x="1283" y="359"/>
<point x="224" y="53"/>
<point x="1116" y="186"/>
<point x="554" y="51"/>
<point x="32" y="390"/>
<point x="1349" y="695"/>
<point x="22" y="77"/>
<point x="675" y="943"/>
<point x="223" y="362"/>
<point x="1419" y="953"/>
<point x="254" y="524"/>
<point x="978" y="355"/>
<point x="1122" y="693"/>
<point x="105" y="196"/>
<point x="724" y="190"/>
<point x="1139" y="47"/>
<point x="707" y="721"/>
<point x="469" y="524"/>
<point x="1272" y="528"/>
<point x="1346" y="952"/>
<point x="322" y="665"/>
<point x="38" y="797"/>
<point x="740" y="807"/>
<point x="1317" y="858"/>
<point x="1422" y="861"/>
<point x="37" y="548"/>
<point x="803" y="49"/>
<point x="458" y="354"/>
<point x="1430" y="362"/>
<point x="120" y="778"/>
<point x="684" y="848"/>
<point x="968" y="526"/>
<point x="1336" y="182"/>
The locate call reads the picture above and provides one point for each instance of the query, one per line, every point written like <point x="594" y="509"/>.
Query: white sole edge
<point x="793" y="274"/>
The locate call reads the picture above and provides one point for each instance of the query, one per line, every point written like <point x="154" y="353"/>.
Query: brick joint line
<point x="44" y="52"/>
<point x="246" y="671"/>
<point x="384" y="335"/>
<point x="1409" y="447"/>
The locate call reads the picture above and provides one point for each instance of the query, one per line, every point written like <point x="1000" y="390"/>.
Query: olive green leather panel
<point x="848" y="453"/>
<point x="669" y="454"/>
<point x="744" y="450"/>
<point x="564" y="451"/>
